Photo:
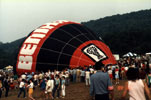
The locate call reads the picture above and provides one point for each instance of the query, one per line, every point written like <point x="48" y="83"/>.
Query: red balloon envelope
<point x="61" y="44"/>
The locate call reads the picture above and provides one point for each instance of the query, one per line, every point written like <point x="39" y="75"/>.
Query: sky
<point x="19" y="17"/>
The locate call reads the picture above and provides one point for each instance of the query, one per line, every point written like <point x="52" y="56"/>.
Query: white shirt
<point x="31" y="85"/>
<point x="67" y="74"/>
<point x="126" y="68"/>
<point x="50" y="84"/>
<point x="91" y="70"/>
<point x="40" y="76"/>
<point x="21" y="85"/>
<point x="57" y="72"/>
<point x="109" y="72"/>
<point x="87" y="74"/>
<point x="23" y="76"/>
<point x="136" y="90"/>
<point x="35" y="77"/>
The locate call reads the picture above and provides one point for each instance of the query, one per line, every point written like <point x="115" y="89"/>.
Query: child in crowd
<point x="117" y="75"/>
<point x="63" y="87"/>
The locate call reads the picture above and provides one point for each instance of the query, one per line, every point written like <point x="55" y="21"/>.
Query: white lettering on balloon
<point x="26" y="54"/>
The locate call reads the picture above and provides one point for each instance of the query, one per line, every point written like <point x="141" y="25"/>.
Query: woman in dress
<point x="30" y="91"/>
<point x="135" y="87"/>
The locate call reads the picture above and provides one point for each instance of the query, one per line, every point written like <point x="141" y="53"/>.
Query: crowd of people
<point x="137" y="71"/>
<point x="53" y="83"/>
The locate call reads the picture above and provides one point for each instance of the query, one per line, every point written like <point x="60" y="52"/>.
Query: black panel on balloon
<point x="75" y="42"/>
<point x="66" y="55"/>
<point x="52" y="44"/>
<point x="68" y="50"/>
<point x="61" y="35"/>
<point x="46" y="56"/>
<point x="83" y="38"/>
<point x="64" y="59"/>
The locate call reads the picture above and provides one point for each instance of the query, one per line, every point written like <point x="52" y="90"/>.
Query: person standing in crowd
<point x="91" y="70"/>
<point x="30" y="91"/>
<point x="142" y="74"/>
<point x="122" y="72"/>
<point x="110" y="73"/>
<point x="71" y="75"/>
<point x="87" y="77"/>
<point x="22" y="88"/>
<point x="56" y="87"/>
<point x="117" y="75"/>
<point x="67" y="77"/>
<point x="101" y="85"/>
<point x="148" y="78"/>
<point x="135" y="86"/>
<point x="35" y="79"/>
<point x="29" y="76"/>
<point x="16" y="81"/>
<point x="63" y="87"/>
<point x="78" y="72"/>
<point x="1" y="86"/>
<point x="23" y="76"/>
<point x="82" y="75"/>
<point x="6" y="86"/>
<point x="40" y="76"/>
<point x="43" y="86"/>
<point x="74" y="71"/>
<point x="49" y="88"/>
<point x="113" y="71"/>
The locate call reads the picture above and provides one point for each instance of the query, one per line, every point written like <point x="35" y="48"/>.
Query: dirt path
<point x="75" y="91"/>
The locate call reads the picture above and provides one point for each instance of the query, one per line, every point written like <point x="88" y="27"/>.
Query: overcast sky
<point x="19" y="17"/>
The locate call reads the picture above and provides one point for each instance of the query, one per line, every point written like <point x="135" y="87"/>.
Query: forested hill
<point x="124" y="33"/>
<point x="8" y="52"/>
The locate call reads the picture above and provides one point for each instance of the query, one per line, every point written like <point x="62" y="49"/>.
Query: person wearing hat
<point x="101" y="85"/>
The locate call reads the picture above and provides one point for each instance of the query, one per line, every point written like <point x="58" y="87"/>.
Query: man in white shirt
<point x="87" y="78"/>
<point x="23" y="76"/>
<point x="22" y="88"/>
<point x="49" y="88"/>
<point x="67" y="78"/>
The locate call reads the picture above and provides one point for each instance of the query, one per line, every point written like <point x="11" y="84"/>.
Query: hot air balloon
<point x="61" y="44"/>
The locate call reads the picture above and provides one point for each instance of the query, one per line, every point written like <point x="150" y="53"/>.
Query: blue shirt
<point x="43" y="84"/>
<point x="57" y="81"/>
<point x="63" y="82"/>
<point x="29" y="77"/>
<point x="100" y="82"/>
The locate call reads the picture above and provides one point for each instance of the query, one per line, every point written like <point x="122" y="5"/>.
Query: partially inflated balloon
<point x="59" y="45"/>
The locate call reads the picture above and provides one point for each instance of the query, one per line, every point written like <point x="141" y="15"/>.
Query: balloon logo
<point x="61" y="44"/>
